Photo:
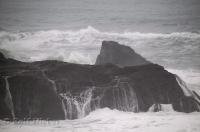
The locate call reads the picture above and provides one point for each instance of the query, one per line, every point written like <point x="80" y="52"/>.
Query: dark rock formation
<point x="120" y="55"/>
<point x="26" y="93"/>
<point x="2" y="58"/>
<point x="58" y="90"/>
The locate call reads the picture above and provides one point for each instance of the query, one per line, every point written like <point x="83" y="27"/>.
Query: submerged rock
<point x="60" y="90"/>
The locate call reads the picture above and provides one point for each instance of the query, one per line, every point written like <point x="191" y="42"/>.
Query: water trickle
<point x="8" y="98"/>
<point x="183" y="86"/>
<point x="78" y="106"/>
<point x="186" y="90"/>
<point x="55" y="89"/>
<point x="50" y="80"/>
<point x="64" y="109"/>
<point x="124" y="97"/>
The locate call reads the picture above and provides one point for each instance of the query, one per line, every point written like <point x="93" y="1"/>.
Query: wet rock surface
<point x="60" y="90"/>
<point x="120" y="55"/>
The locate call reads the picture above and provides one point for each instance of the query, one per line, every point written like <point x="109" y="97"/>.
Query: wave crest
<point x="57" y="44"/>
<point x="174" y="50"/>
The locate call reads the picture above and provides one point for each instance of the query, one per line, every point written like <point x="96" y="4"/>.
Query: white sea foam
<point x="178" y="50"/>
<point x="191" y="78"/>
<point x="41" y="45"/>
<point x="107" y="120"/>
<point x="163" y="107"/>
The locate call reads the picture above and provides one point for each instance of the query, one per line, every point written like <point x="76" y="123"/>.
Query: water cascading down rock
<point x="59" y="90"/>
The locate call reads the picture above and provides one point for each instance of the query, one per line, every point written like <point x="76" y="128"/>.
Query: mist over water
<point x="166" y="32"/>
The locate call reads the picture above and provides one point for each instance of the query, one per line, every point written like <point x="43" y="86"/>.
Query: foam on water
<point x="163" y="107"/>
<point x="107" y="120"/>
<point x="190" y="77"/>
<point x="178" y="51"/>
<point x="57" y="44"/>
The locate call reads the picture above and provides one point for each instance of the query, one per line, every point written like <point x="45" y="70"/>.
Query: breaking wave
<point x="107" y="120"/>
<point x="84" y="44"/>
<point x="178" y="50"/>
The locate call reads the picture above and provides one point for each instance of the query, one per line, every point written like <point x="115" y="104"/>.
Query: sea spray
<point x="187" y="92"/>
<point x="78" y="106"/>
<point x="73" y="45"/>
<point x="123" y="98"/>
<point x="176" y="50"/>
<point x="183" y="86"/>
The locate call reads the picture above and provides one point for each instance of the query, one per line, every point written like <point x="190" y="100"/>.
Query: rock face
<point x="60" y="90"/>
<point x="2" y="58"/>
<point x="120" y="55"/>
<point x="26" y="93"/>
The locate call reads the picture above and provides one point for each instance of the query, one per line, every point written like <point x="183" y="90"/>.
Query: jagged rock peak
<point x="120" y="55"/>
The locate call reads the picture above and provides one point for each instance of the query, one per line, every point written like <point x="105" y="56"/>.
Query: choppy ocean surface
<point x="107" y="120"/>
<point x="178" y="52"/>
<point x="166" y="32"/>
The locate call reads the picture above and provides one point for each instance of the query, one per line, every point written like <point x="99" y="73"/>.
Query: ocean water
<point x="115" y="121"/>
<point x="166" y="32"/>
